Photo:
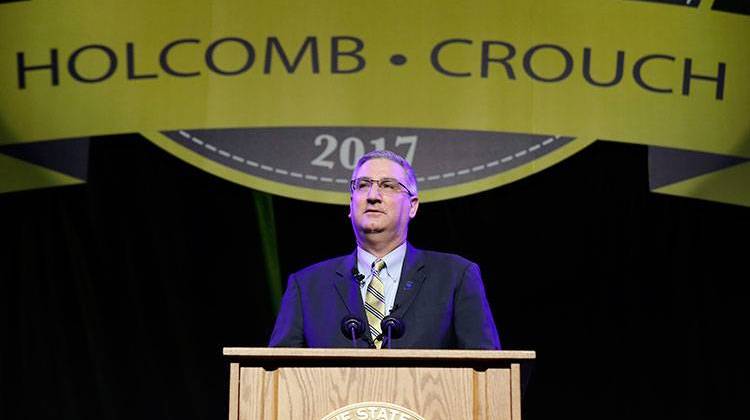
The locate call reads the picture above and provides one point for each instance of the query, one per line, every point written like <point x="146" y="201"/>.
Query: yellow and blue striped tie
<point x="375" y="301"/>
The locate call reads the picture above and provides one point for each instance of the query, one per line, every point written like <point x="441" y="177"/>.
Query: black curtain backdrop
<point x="117" y="296"/>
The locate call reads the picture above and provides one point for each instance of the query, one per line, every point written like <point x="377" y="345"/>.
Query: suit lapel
<point x="348" y="287"/>
<point x="412" y="278"/>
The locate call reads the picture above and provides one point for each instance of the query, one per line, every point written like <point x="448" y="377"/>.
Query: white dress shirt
<point x="390" y="275"/>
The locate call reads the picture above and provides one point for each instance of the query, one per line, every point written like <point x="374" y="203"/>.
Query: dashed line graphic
<point x="435" y="177"/>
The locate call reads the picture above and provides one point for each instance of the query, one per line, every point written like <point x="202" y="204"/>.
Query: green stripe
<point x="267" y="229"/>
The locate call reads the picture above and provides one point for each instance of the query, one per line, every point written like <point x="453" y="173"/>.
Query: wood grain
<point x="498" y="394"/>
<point x="258" y="394"/>
<point x="280" y="384"/>
<point x="515" y="390"/>
<point x="234" y="390"/>
<point x="434" y="393"/>
<point x="270" y="353"/>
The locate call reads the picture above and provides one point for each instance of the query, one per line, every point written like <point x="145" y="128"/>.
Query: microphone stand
<point x="354" y="335"/>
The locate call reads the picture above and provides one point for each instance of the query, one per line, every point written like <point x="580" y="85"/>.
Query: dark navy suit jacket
<point x="440" y="300"/>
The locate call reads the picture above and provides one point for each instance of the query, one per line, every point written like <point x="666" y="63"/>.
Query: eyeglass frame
<point x="375" y="181"/>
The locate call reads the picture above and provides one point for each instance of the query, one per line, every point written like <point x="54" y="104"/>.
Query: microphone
<point x="359" y="277"/>
<point x="394" y="327"/>
<point x="353" y="327"/>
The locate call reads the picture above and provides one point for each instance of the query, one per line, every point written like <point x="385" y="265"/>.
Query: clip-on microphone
<point x="357" y="276"/>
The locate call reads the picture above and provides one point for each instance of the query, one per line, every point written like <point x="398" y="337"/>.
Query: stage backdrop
<point x="284" y="96"/>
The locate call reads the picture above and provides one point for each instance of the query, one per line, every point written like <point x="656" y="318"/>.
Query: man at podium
<point x="386" y="294"/>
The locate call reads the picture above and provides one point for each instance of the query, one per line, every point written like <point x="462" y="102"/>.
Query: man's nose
<point x="373" y="194"/>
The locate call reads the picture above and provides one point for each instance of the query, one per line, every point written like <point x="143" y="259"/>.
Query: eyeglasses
<point x="385" y="185"/>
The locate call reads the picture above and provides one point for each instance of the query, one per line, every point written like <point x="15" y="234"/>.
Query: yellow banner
<point x="631" y="71"/>
<point x="80" y="68"/>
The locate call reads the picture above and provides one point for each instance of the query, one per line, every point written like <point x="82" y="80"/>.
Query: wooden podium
<point x="341" y="384"/>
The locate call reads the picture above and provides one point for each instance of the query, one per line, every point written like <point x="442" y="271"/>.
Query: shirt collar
<point x="393" y="260"/>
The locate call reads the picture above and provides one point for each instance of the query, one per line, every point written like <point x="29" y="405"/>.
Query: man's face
<point x="379" y="213"/>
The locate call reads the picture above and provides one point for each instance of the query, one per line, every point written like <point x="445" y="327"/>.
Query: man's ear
<point x="414" y="205"/>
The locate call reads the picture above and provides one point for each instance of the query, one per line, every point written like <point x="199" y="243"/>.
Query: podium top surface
<point x="404" y="355"/>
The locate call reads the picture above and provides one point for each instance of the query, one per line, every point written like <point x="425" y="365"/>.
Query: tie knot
<point x="378" y="265"/>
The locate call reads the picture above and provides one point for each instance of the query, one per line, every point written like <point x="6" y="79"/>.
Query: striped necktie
<point x="375" y="301"/>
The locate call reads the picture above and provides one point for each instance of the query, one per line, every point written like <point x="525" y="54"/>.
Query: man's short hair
<point x="411" y="179"/>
